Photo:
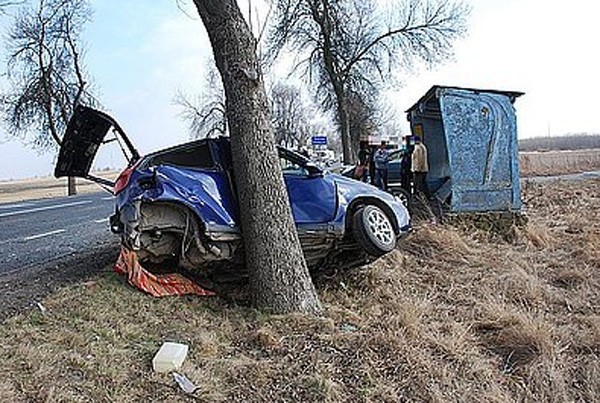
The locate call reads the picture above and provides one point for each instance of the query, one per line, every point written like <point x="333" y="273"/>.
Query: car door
<point x="395" y="167"/>
<point x="313" y="195"/>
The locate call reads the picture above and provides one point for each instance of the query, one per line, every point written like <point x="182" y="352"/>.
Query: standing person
<point x="372" y="150"/>
<point x="420" y="167"/>
<point x="405" y="171"/>
<point x="406" y="166"/>
<point x="381" y="158"/>
<point x="362" y="168"/>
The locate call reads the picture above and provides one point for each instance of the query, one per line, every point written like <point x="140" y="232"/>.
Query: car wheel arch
<point x="360" y="202"/>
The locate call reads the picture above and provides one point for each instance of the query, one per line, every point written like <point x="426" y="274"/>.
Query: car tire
<point x="374" y="230"/>
<point x="403" y="197"/>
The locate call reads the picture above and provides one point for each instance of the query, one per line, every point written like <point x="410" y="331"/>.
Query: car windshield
<point x="293" y="155"/>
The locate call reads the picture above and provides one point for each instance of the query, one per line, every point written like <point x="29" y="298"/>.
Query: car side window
<point x="290" y="168"/>
<point x="197" y="156"/>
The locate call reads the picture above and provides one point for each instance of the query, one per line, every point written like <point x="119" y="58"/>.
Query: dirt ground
<point x="455" y="314"/>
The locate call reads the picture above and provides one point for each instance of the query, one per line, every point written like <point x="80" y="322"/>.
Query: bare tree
<point x="289" y="116"/>
<point x="353" y="46"/>
<point x="46" y="73"/>
<point x="387" y="118"/>
<point x="279" y="276"/>
<point x="361" y="117"/>
<point x="8" y="3"/>
<point x="205" y="113"/>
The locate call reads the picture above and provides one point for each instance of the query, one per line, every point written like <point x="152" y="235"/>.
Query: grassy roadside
<point x="454" y="315"/>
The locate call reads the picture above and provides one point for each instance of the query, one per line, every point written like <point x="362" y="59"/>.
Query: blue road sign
<point x="319" y="140"/>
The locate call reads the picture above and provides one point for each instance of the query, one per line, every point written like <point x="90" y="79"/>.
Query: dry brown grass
<point x="558" y="162"/>
<point x="43" y="188"/>
<point x="451" y="316"/>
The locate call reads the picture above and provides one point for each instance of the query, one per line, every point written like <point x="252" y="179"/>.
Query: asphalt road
<point x="39" y="232"/>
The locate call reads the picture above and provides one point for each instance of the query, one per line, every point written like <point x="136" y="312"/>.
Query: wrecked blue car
<point x="179" y="204"/>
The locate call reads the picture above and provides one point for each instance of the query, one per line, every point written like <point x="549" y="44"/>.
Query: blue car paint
<point x="318" y="203"/>
<point x="206" y="192"/>
<point x="313" y="199"/>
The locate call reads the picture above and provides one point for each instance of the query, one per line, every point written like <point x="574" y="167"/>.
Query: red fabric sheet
<point x="155" y="285"/>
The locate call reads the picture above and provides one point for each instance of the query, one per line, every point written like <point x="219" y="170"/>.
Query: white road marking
<point x="35" y="210"/>
<point x="58" y="231"/>
<point x="108" y="198"/>
<point x="102" y="220"/>
<point x="18" y="205"/>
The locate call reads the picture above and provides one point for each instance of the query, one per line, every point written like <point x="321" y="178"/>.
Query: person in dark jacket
<point x="405" y="171"/>
<point x="362" y="167"/>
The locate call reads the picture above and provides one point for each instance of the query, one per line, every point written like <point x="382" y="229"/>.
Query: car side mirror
<point x="313" y="170"/>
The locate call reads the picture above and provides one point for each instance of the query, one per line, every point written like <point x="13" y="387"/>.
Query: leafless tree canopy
<point x="205" y="113"/>
<point x="4" y="5"/>
<point x="45" y="70"/>
<point x="361" y="115"/>
<point x="351" y="47"/>
<point x="289" y="116"/>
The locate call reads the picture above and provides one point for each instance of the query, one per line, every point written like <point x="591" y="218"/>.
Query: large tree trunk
<point x="349" y="155"/>
<point x="279" y="276"/>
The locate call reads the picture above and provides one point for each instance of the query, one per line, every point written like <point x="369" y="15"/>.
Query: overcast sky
<point x="141" y="52"/>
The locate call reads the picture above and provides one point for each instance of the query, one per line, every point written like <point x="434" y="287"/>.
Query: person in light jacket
<point x="420" y="167"/>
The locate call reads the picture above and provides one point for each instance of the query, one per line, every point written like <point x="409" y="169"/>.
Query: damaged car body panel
<point x="180" y="205"/>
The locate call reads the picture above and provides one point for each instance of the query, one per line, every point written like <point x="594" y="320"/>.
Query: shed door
<point x="480" y="130"/>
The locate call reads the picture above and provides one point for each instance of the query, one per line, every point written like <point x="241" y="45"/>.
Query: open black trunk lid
<point x="86" y="132"/>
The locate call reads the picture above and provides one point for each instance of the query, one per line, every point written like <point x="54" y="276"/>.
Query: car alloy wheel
<point x="380" y="226"/>
<point x="374" y="230"/>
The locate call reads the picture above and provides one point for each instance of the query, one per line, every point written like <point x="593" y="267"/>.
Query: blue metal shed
<point x="471" y="139"/>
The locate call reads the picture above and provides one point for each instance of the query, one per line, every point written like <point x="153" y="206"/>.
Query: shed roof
<point x="433" y="93"/>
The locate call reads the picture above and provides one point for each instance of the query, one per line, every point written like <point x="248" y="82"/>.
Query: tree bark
<point x="349" y="155"/>
<point x="71" y="186"/>
<point x="279" y="277"/>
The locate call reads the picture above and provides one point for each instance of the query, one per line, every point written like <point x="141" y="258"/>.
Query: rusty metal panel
<point x="481" y="136"/>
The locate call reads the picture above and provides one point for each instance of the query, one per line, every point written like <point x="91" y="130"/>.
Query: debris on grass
<point x="184" y="383"/>
<point x="41" y="307"/>
<point x="170" y="357"/>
